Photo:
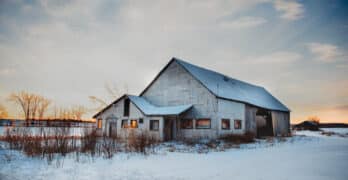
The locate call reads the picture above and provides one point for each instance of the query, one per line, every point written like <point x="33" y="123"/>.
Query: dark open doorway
<point x="113" y="129"/>
<point x="169" y="128"/>
<point x="264" y="123"/>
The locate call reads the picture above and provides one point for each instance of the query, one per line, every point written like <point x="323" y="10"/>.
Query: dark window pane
<point x="186" y="124"/>
<point x="225" y="124"/>
<point x="141" y="120"/>
<point x="154" y="125"/>
<point x="124" y="123"/>
<point x="126" y="107"/>
<point x="237" y="124"/>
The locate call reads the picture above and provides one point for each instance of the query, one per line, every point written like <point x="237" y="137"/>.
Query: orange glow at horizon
<point x="326" y="116"/>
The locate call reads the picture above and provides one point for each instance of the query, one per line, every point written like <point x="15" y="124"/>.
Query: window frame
<point x="131" y="125"/>
<point x="141" y="120"/>
<point x="229" y="124"/>
<point x="151" y="125"/>
<point x="99" y="123"/>
<point x="126" y="124"/>
<point x="200" y="119"/>
<point x="185" y="120"/>
<point x="235" y="123"/>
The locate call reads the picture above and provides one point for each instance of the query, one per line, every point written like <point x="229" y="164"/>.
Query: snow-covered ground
<point x="307" y="155"/>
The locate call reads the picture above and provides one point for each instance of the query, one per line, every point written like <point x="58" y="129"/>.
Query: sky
<point x="70" y="50"/>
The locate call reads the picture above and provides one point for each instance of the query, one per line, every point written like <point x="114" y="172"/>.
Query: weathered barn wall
<point x="115" y="114"/>
<point x="281" y="123"/>
<point x="250" y="119"/>
<point x="231" y="110"/>
<point x="176" y="86"/>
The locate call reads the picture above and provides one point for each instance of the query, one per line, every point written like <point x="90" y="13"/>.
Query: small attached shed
<point x="136" y="114"/>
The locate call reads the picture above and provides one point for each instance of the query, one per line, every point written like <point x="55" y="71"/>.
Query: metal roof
<point x="228" y="88"/>
<point x="149" y="109"/>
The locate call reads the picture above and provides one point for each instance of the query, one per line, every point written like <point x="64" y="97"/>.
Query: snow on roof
<point x="148" y="109"/>
<point x="225" y="87"/>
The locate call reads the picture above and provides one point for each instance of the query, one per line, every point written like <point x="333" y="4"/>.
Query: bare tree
<point x="98" y="101"/>
<point x="23" y="99"/>
<point x="113" y="92"/>
<point x="74" y="112"/>
<point x="43" y="106"/>
<point x="314" y="119"/>
<point x="78" y="111"/>
<point x="32" y="105"/>
<point x="3" y="112"/>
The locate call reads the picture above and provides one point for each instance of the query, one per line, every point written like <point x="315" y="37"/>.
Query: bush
<point x="239" y="139"/>
<point x="141" y="142"/>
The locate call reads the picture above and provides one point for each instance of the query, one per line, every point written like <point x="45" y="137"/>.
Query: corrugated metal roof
<point x="149" y="109"/>
<point x="228" y="88"/>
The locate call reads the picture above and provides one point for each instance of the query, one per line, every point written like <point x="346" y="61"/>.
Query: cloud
<point x="281" y="57"/>
<point x="324" y="52"/>
<point x="243" y="22"/>
<point x="97" y="37"/>
<point x="291" y="10"/>
<point x="6" y="71"/>
<point x="342" y="107"/>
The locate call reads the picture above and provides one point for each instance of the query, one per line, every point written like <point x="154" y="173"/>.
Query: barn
<point x="188" y="101"/>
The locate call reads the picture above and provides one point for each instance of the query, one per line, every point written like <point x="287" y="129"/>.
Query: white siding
<point x="231" y="110"/>
<point x="176" y="86"/>
<point x="115" y="114"/>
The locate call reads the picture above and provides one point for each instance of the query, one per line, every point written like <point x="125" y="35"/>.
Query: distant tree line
<point x="35" y="106"/>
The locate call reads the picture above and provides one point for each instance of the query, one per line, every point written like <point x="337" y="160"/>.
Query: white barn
<point x="187" y="101"/>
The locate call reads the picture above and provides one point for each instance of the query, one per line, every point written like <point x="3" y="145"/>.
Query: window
<point x="225" y="124"/>
<point x="126" y="107"/>
<point x="141" y="121"/>
<point x="186" y="123"/>
<point x="203" y="123"/>
<point x="154" y="125"/>
<point x="237" y="124"/>
<point x="124" y="123"/>
<point x="134" y="123"/>
<point x="99" y="125"/>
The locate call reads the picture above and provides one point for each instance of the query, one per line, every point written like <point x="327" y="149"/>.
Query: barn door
<point x="113" y="129"/>
<point x="168" y="129"/>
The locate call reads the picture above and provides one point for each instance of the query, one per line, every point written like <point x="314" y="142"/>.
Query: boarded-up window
<point x="99" y="125"/>
<point x="203" y="124"/>
<point x="124" y="123"/>
<point x="126" y="107"/>
<point x="225" y="124"/>
<point x="186" y="123"/>
<point x="237" y="124"/>
<point x="134" y="123"/>
<point x="154" y="125"/>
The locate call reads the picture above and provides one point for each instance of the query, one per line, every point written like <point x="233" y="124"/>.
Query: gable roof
<point x="149" y="109"/>
<point x="225" y="87"/>
<point x="108" y="106"/>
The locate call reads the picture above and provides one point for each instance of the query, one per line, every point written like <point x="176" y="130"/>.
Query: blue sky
<point x="69" y="50"/>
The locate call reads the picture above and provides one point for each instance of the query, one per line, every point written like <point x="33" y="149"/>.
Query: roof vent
<point x="226" y="78"/>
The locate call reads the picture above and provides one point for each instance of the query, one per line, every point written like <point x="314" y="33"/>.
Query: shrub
<point x="239" y="139"/>
<point x="141" y="142"/>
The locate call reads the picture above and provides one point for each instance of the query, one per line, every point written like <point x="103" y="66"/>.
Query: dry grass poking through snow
<point x="58" y="145"/>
